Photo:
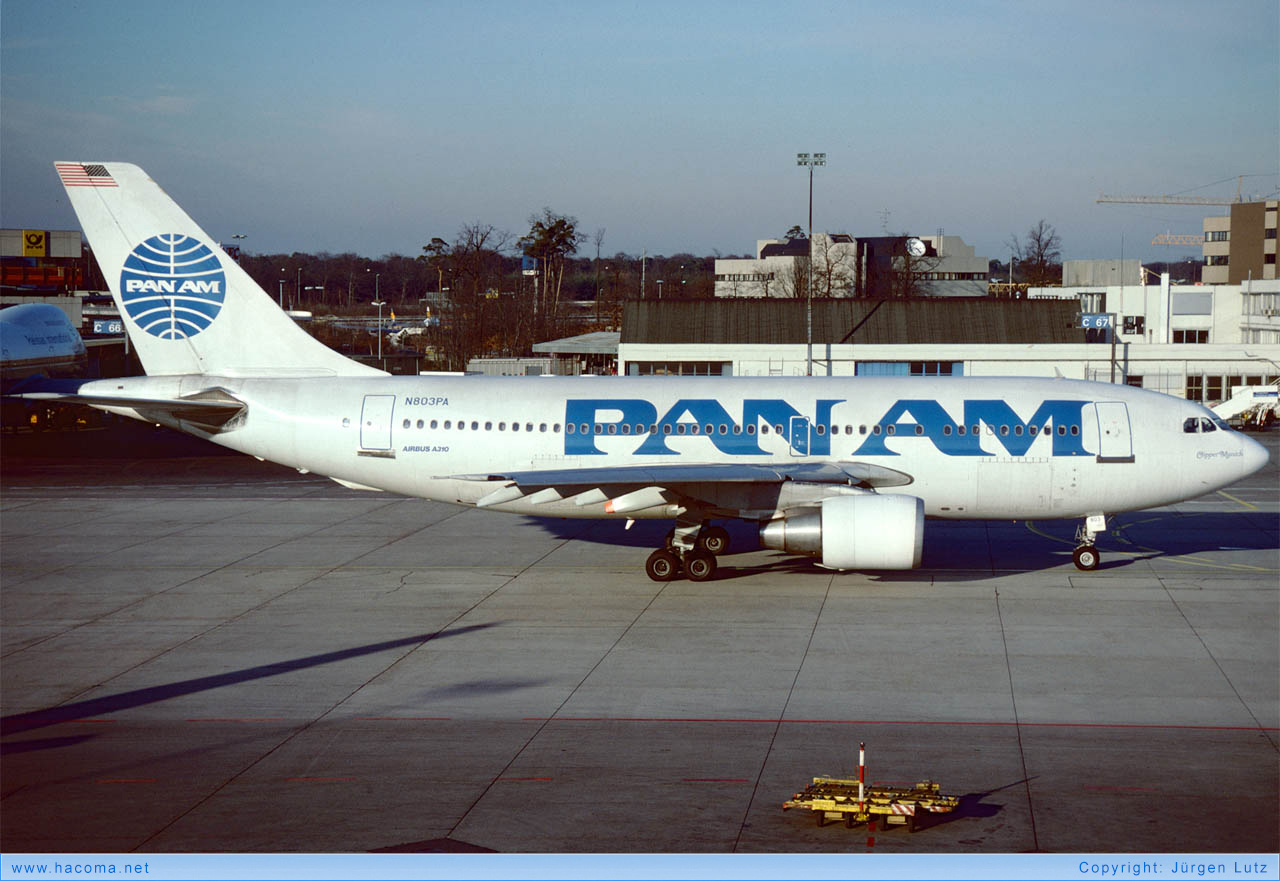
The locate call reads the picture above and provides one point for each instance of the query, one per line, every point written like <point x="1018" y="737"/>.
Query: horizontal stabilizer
<point x="211" y="409"/>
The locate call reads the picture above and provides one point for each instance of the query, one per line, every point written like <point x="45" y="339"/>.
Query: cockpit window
<point x="1203" y="425"/>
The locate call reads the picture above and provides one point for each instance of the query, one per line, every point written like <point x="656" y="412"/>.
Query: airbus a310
<point x="844" y="469"/>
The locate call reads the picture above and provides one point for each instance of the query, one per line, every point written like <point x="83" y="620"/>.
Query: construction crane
<point x="1180" y="200"/>
<point x="1177" y="238"/>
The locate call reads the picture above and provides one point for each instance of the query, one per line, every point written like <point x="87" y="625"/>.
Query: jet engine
<point x="866" y="531"/>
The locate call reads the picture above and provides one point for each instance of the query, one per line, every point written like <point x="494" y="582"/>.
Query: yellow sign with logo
<point x="35" y="243"/>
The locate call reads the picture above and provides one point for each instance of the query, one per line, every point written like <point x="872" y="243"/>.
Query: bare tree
<point x="834" y="266"/>
<point x="912" y="274"/>
<point x="1039" y="255"/>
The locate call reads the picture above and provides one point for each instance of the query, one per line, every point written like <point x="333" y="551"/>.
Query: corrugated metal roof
<point x="925" y="320"/>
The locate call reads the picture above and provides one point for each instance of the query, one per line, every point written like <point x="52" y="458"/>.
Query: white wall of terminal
<point x="1247" y="313"/>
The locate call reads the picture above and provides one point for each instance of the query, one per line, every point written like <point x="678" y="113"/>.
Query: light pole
<point x="379" y="304"/>
<point x="810" y="160"/>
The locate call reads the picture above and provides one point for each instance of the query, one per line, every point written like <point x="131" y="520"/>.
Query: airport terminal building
<point x="1194" y="341"/>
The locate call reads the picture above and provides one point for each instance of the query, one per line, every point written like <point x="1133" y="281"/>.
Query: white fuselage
<point x="974" y="448"/>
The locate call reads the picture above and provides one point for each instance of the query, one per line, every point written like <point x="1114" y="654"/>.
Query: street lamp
<point x="810" y="161"/>
<point x="379" y="304"/>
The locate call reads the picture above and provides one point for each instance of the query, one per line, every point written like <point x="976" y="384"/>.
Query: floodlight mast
<point x="810" y="160"/>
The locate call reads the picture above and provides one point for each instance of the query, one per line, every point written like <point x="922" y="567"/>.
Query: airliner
<point x="842" y="469"/>
<point x="37" y="339"/>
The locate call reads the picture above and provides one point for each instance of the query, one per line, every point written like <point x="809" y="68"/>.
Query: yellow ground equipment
<point x="834" y="799"/>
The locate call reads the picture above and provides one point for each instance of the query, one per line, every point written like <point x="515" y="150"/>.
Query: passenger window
<point x="528" y="426"/>
<point x="862" y="429"/>
<point x="555" y="428"/>
<point x="502" y="426"/>
<point x="488" y="426"/>
<point x="946" y="431"/>
<point x="1075" y="431"/>
<point x="542" y="426"/>
<point x="1017" y="430"/>
<point x="764" y="429"/>
<point x="475" y="426"/>
<point x="626" y="428"/>
<point x="1062" y="431"/>
<point x="448" y="423"/>
<point x="822" y="429"/>
<point x="875" y="429"/>
<point x="666" y="428"/>
<point x="435" y="423"/>
<point x="420" y="423"/>
<point x="1004" y="430"/>
<point x="405" y="424"/>
<point x="515" y="426"/>
<point x="569" y="428"/>
<point x="960" y="429"/>
<point x="724" y="429"/>
<point x="891" y="429"/>
<point x="751" y="429"/>
<point x="919" y="429"/>
<point x="778" y="428"/>
<point x="1033" y="429"/>
<point x="613" y="428"/>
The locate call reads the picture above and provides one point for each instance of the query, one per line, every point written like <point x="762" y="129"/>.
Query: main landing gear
<point x="1086" y="554"/>
<point x="690" y="548"/>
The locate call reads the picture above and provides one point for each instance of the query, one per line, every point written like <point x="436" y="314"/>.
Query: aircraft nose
<point x="1255" y="456"/>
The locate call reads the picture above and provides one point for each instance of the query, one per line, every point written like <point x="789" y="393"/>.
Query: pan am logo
<point x="173" y="286"/>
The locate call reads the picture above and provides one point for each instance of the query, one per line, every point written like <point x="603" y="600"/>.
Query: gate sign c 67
<point x="1092" y="320"/>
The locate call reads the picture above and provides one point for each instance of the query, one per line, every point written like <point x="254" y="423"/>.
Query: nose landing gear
<point x="1086" y="554"/>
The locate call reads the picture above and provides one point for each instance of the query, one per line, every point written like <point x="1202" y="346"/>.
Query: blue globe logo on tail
<point x="173" y="286"/>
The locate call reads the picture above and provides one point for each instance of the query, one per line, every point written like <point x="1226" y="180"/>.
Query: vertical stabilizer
<point x="187" y="306"/>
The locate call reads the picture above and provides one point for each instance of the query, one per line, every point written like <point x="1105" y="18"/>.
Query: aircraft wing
<point x="630" y="487"/>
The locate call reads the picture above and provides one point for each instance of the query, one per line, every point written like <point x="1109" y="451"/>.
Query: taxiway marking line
<point x="1248" y="505"/>
<point x="1116" y="725"/>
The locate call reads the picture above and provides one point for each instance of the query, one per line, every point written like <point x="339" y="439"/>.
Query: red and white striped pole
<point x="862" y="795"/>
<point x="862" y="768"/>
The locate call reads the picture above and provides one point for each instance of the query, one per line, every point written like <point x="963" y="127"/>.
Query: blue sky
<point x="326" y="126"/>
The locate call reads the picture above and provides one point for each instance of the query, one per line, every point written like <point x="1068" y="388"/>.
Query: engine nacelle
<point x="854" y="532"/>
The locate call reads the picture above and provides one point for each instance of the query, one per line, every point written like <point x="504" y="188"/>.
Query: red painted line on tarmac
<point x="403" y="718"/>
<point x="126" y="780"/>
<point x="941" y="722"/>
<point x="317" y="779"/>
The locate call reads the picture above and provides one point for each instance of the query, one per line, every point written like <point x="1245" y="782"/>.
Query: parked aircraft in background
<point x="843" y="469"/>
<point x="37" y="339"/>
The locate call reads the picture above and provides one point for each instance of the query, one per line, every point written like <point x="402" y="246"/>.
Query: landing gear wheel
<point x="1087" y="558"/>
<point x="714" y="540"/>
<point x="700" y="566"/>
<point x="662" y="565"/>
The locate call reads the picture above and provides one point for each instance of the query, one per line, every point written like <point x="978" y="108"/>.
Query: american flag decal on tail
<point x="76" y="174"/>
